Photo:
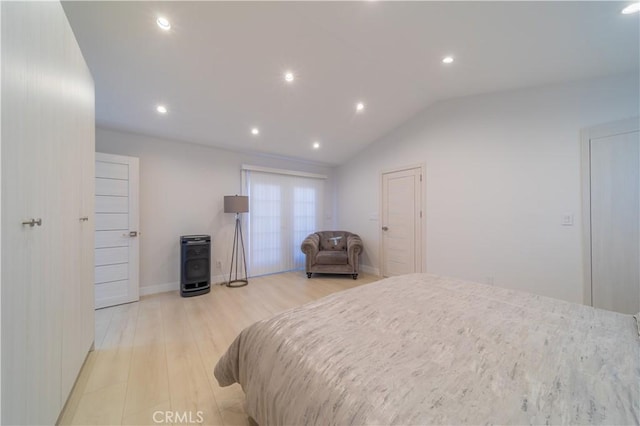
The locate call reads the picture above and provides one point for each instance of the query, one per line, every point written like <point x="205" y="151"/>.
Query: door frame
<point x="613" y="128"/>
<point x="420" y="260"/>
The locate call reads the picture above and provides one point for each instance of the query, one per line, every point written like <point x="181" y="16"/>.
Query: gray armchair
<point x="332" y="252"/>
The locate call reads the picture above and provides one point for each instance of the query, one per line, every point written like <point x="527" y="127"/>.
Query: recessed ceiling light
<point x="316" y="145"/>
<point x="161" y="109"/>
<point x="360" y="107"/>
<point x="288" y="76"/>
<point x="632" y="8"/>
<point x="163" y="23"/>
<point x="447" y="59"/>
<point x="255" y="131"/>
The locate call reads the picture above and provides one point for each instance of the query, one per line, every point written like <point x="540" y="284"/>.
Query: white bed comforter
<point x="423" y="349"/>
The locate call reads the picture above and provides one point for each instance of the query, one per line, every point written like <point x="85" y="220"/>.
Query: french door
<point x="283" y="210"/>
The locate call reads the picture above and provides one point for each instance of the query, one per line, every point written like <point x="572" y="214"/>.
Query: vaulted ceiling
<point x="220" y="68"/>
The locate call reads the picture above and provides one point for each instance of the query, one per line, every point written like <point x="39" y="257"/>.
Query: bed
<point x="425" y="349"/>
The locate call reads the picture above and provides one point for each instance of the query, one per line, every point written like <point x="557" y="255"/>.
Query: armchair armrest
<point x="354" y="248"/>
<point x="310" y="247"/>
<point x="310" y="244"/>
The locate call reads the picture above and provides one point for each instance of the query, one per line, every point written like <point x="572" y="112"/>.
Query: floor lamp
<point x="237" y="204"/>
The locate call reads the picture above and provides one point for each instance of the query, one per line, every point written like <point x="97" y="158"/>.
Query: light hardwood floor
<point x="157" y="355"/>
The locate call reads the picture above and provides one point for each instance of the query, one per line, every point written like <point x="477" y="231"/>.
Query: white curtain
<point x="283" y="210"/>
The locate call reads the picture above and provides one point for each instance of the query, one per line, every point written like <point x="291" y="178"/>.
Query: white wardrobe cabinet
<point x="47" y="168"/>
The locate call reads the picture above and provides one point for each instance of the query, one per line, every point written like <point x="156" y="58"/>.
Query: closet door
<point x="22" y="244"/>
<point x="34" y="266"/>
<point x="88" y="226"/>
<point x="78" y="223"/>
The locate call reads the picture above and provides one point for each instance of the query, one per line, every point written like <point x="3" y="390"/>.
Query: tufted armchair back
<point x="333" y="240"/>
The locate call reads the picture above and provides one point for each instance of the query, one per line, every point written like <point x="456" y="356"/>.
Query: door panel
<point x="112" y="221"/>
<point x="401" y="224"/>
<point x="112" y="255"/>
<point x="105" y="239"/>
<point x="112" y="204"/>
<point x="106" y="186"/>
<point x="110" y="170"/>
<point x="109" y="273"/>
<point x="116" y="241"/>
<point x="112" y="290"/>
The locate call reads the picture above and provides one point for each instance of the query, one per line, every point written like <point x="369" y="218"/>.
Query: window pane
<point x="265" y="219"/>
<point x="304" y="219"/>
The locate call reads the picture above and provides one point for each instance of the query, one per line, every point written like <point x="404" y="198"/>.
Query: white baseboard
<point x="163" y="288"/>
<point x="370" y="270"/>
<point x="159" y="288"/>
<point x="219" y="279"/>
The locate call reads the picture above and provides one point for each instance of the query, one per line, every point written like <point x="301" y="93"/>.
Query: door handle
<point x="32" y="222"/>
<point x="385" y="228"/>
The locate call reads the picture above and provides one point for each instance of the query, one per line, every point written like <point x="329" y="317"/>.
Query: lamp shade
<point x="236" y="204"/>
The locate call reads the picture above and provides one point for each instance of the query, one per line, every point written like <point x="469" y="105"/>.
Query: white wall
<point x="501" y="170"/>
<point x="182" y="186"/>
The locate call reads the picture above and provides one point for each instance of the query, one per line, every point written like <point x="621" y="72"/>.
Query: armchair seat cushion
<point x="332" y="257"/>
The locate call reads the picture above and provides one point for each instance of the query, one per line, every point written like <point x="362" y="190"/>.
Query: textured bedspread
<point x="423" y="349"/>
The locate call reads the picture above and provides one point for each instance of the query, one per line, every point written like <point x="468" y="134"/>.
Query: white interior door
<point x="615" y="222"/>
<point x="116" y="240"/>
<point x="401" y="222"/>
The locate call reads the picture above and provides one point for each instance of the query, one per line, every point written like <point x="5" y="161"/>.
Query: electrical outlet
<point x="567" y="219"/>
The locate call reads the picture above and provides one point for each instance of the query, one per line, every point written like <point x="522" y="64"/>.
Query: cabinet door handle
<point x="32" y="222"/>
<point x="84" y="219"/>
<point x="385" y="228"/>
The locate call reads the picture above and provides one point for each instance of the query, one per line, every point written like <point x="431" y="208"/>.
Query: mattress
<point x="425" y="349"/>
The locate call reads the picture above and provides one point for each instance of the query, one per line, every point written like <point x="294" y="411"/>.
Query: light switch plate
<point x="567" y="219"/>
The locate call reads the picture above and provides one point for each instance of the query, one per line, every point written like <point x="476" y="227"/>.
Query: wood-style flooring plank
<point x="148" y="382"/>
<point x="154" y="360"/>
<point x="101" y="407"/>
<point x="189" y="387"/>
<point x="113" y="357"/>
<point x="66" y="417"/>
